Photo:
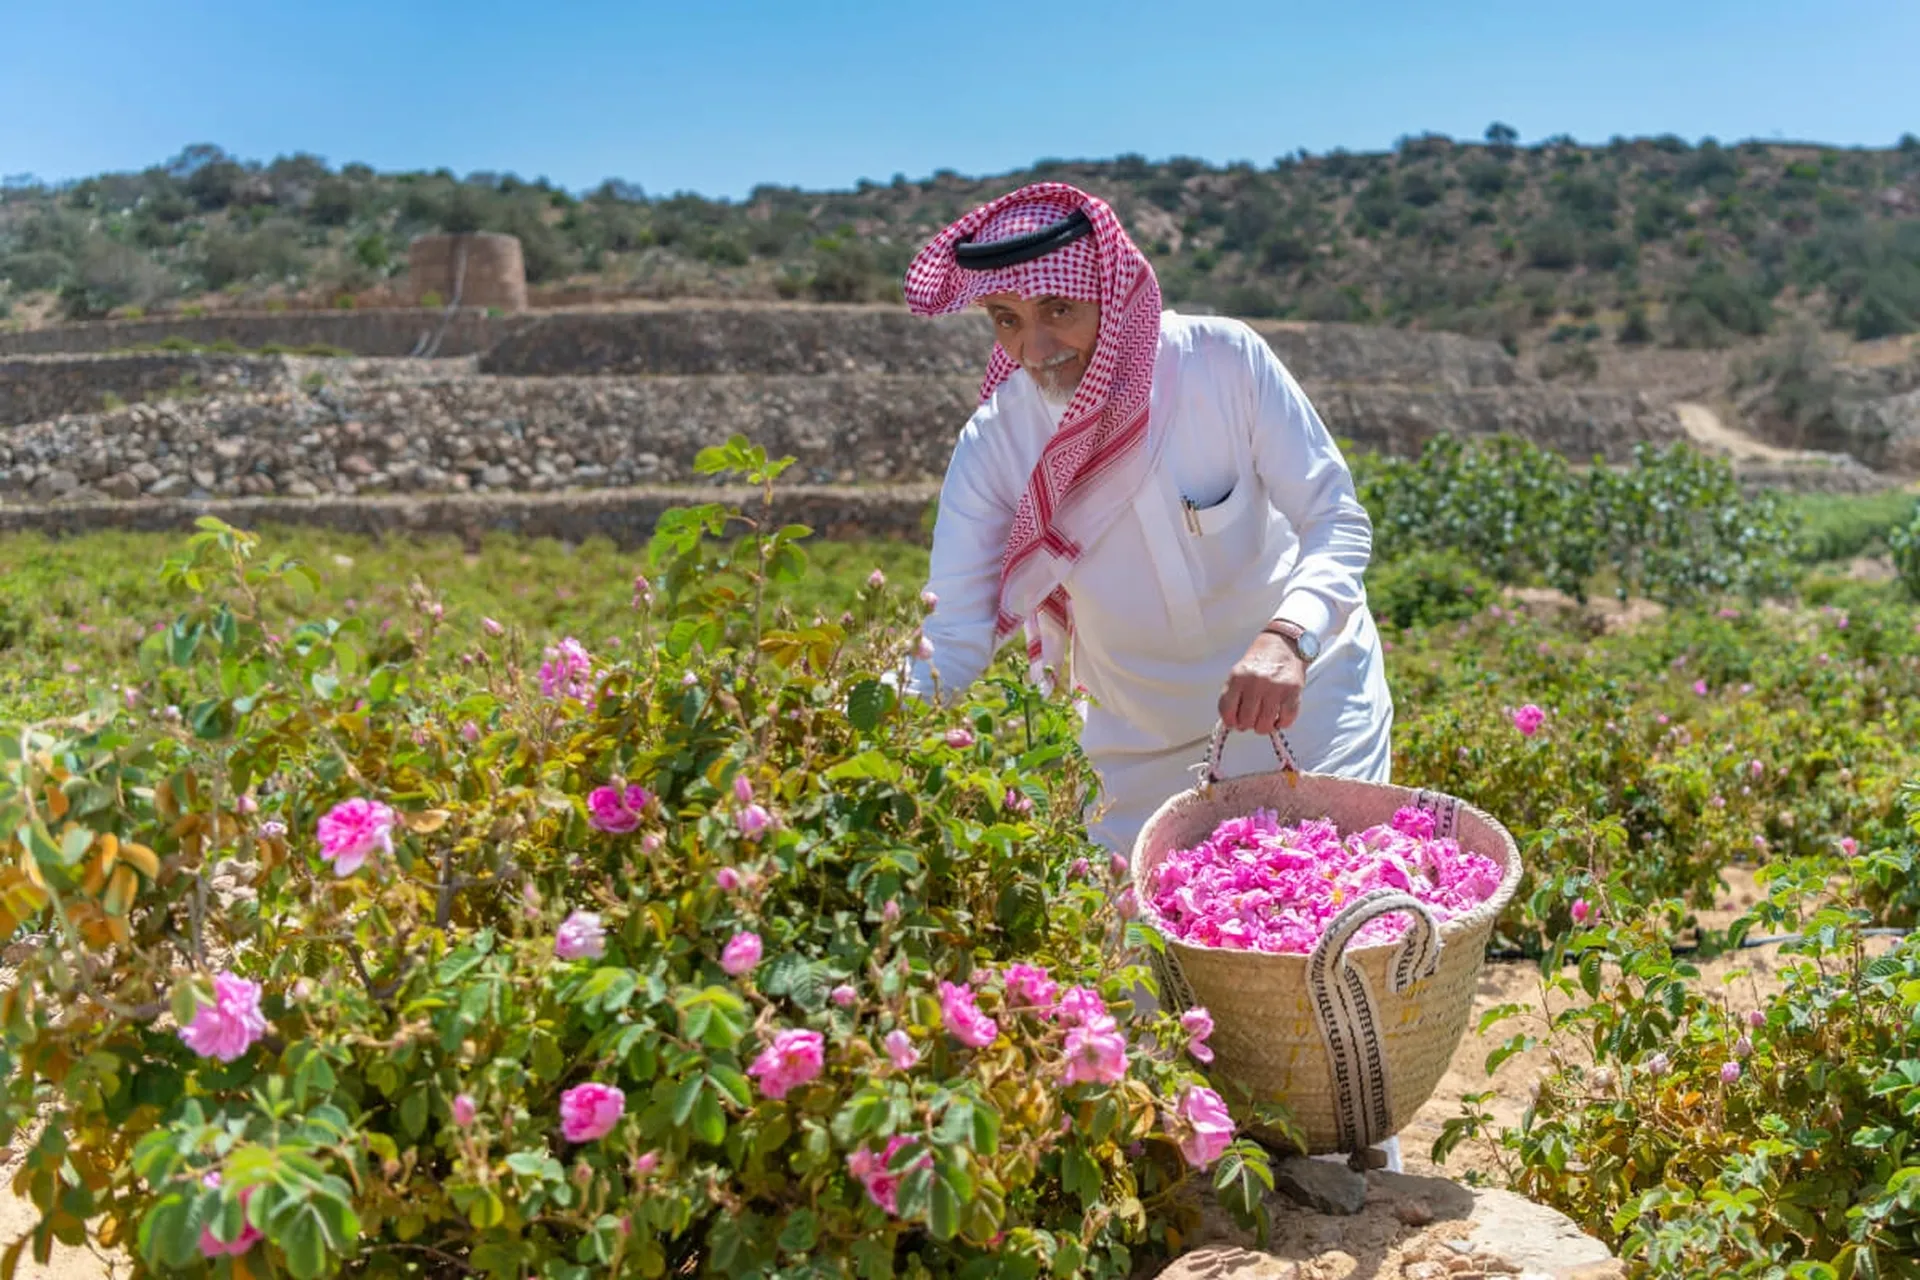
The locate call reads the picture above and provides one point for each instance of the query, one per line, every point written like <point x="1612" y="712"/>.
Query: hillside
<point x="1641" y="240"/>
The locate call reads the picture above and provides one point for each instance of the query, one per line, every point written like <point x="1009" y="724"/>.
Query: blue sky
<point x="714" y="97"/>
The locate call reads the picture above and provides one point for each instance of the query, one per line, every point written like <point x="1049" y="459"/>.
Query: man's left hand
<point x="1263" y="690"/>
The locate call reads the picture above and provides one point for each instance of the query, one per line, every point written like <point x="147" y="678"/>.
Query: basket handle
<point x="1281" y="751"/>
<point x="1344" y="1010"/>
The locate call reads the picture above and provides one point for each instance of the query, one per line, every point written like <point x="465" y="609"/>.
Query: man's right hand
<point x="1263" y="689"/>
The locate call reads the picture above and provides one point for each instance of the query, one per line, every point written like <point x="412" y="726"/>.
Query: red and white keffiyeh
<point x="1097" y="459"/>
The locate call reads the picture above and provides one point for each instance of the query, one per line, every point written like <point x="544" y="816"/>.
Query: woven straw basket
<point x="1352" y="1040"/>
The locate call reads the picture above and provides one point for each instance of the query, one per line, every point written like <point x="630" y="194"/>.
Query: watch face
<point x="1309" y="646"/>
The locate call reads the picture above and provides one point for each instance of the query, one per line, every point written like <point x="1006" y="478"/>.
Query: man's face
<point x="1051" y="338"/>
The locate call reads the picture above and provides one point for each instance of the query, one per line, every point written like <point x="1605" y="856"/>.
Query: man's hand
<point x="1263" y="690"/>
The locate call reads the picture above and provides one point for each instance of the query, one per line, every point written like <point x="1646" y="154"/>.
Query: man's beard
<point x="1056" y="386"/>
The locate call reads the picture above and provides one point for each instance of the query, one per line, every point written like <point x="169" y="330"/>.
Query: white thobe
<point x="1250" y="515"/>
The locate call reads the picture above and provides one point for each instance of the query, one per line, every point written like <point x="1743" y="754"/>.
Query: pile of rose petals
<point x="1254" y="885"/>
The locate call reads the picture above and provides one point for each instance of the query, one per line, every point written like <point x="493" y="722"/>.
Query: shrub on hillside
<point x="708" y="961"/>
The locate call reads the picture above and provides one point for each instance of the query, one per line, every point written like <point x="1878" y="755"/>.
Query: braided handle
<point x="1281" y="751"/>
<point x="1344" y="1011"/>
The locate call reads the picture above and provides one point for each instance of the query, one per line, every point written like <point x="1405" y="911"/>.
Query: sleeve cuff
<point x="1308" y="612"/>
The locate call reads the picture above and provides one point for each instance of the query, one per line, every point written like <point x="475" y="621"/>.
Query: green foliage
<point x="1673" y="526"/>
<point x="1904" y="542"/>
<point x="1713" y="1136"/>
<point x="160" y="846"/>
<point x="1833" y="527"/>
<point x="1426" y="588"/>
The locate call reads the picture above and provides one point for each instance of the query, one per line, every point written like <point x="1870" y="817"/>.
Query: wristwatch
<point x="1304" y="642"/>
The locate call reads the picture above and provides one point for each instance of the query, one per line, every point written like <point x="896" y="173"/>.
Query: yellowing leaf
<point x="120" y="892"/>
<point x="427" y="820"/>
<point x="145" y="860"/>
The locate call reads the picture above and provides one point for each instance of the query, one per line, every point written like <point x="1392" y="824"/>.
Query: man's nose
<point x="1042" y="346"/>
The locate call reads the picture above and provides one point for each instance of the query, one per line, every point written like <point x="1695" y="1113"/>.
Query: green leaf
<point x="709" y="1121"/>
<point x="802" y="1229"/>
<point x="867" y="705"/>
<point x="1079" y="1175"/>
<point x="733" y="1083"/>
<point x="685" y="1096"/>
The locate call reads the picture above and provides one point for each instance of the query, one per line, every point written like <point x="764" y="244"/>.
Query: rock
<point x="1611" y="1269"/>
<point x="496" y="477"/>
<point x="300" y="488"/>
<point x="121" y="485"/>
<point x="1322" y="1185"/>
<point x="229" y="450"/>
<point x="357" y="464"/>
<point x="1414" y="1213"/>
<point x="56" y="483"/>
<point x="1229" y="1264"/>
<point x="145" y="472"/>
<point x="205" y="477"/>
<point x="167" y="487"/>
<point x="1531" y="1236"/>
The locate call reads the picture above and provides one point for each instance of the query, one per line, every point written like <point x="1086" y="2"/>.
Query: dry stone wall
<point x="362" y="427"/>
<point x="396" y="331"/>
<point x="36" y="388"/>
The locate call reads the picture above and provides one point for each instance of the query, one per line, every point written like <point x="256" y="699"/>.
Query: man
<point x="1156" y="490"/>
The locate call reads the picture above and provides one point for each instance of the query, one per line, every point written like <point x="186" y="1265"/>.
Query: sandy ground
<point x="1711" y="433"/>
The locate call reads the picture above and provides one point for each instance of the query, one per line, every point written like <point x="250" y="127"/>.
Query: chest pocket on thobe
<point x="1224" y="536"/>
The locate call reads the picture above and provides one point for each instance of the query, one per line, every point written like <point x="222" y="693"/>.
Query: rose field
<point x="519" y="909"/>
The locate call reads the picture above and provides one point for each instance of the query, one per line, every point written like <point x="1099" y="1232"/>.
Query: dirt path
<point x="1708" y="431"/>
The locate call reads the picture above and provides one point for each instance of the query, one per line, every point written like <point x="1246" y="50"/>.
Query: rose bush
<point x="1710" y="1133"/>
<point x="710" y="958"/>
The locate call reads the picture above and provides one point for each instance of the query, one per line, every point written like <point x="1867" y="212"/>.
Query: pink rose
<point x="1729" y="1072"/>
<point x="1082" y="1004"/>
<point x="230" y="1025"/>
<point x="1029" y="986"/>
<point x="464" y="1110"/>
<point x="1528" y="720"/>
<point x="211" y="1246"/>
<point x="728" y="879"/>
<point x="876" y="580"/>
<point x="1209" y="1127"/>
<point x="568" y="672"/>
<point x="959" y="738"/>
<point x="491" y="627"/>
<point x="899" y="1047"/>
<point x="929" y="601"/>
<point x="1581" y="910"/>
<point x="645" y="1163"/>
<point x="470" y="732"/>
<point x="1700" y="687"/>
<point x="741" y="954"/>
<point x="871" y="1168"/>
<point x="617" y="809"/>
<point x="1849" y="846"/>
<point x="964" y="1020"/>
<point x="1743" y="1047"/>
<point x="1018" y="801"/>
<point x="742" y="788"/>
<point x="1096" y="1053"/>
<point x="589" y="1111"/>
<point x="1198" y="1024"/>
<point x="844" y="996"/>
<point x="890" y="913"/>
<point x="794" y="1058"/>
<point x="580" y="936"/>
<point x="352" y="830"/>
<point x="753" y="820"/>
<point x="923" y="649"/>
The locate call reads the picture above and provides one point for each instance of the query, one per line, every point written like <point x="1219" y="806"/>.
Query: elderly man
<point x="1156" y="490"/>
